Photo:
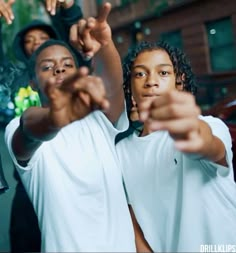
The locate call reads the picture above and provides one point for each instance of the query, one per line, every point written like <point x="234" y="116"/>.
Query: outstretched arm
<point x="94" y="39"/>
<point x="178" y="113"/>
<point x="79" y="95"/>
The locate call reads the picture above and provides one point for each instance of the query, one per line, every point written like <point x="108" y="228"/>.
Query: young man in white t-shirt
<point x="64" y="151"/>
<point x="177" y="166"/>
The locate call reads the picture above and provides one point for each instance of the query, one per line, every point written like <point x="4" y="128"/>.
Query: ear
<point x="133" y="102"/>
<point x="134" y="115"/>
<point x="180" y="86"/>
<point x="180" y="82"/>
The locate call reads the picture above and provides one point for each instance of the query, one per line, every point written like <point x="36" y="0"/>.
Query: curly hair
<point x="177" y="57"/>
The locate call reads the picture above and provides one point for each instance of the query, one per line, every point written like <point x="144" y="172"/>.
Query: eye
<point x="44" y="37"/>
<point x="28" y="41"/>
<point x="69" y="65"/>
<point x="47" y="67"/>
<point x="140" y="74"/>
<point x="164" y="73"/>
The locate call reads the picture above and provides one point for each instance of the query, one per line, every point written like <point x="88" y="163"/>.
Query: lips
<point x="59" y="80"/>
<point x="150" y="95"/>
<point x="151" y="92"/>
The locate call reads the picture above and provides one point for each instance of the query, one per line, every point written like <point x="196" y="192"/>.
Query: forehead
<point x="155" y="56"/>
<point x="54" y="52"/>
<point x="35" y="31"/>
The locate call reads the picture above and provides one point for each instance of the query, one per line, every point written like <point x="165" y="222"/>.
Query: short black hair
<point x="177" y="57"/>
<point x="48" y="43"/>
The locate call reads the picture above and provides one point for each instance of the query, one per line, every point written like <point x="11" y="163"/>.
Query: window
<point x="173" y="38"/>
<point x="221" y="45"/>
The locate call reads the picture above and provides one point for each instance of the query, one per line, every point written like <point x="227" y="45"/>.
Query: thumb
<point x="50" y="88"/>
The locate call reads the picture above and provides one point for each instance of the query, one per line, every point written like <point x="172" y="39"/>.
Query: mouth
<point x="35" y="48"/>
<point x="151" y="95"/>
<point x="59" y="80"/>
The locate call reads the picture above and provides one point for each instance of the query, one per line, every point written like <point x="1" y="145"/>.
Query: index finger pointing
<point x="104" y="12"/>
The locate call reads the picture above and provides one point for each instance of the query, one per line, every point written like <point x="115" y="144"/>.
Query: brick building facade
<point x="204" y="29"/>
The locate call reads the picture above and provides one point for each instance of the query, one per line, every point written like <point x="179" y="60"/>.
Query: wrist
<point x="25" y="133"/>
<point x="67" y="4"/>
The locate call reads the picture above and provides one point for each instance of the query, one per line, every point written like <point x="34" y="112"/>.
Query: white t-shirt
<point x="179" y="201"/>
<point x="75" y="185"/>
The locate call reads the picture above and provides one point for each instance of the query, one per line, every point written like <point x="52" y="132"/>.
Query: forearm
<point x="212" y="148"/>
<point x="65" y="17"/>
<point x="68" y="3"/>
<point x="107" y="64"/>
<point x="140" y="241"/>
<point x="35" y="128"/>
<point x="71" y="13"/>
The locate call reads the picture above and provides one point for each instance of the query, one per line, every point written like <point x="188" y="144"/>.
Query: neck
<point x="145" y="131"/>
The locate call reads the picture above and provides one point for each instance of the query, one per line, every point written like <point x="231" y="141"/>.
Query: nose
<point x="151" y="81"/>
<point x="150" y="84"/>
<point x="59" y="70"/>
<point x="37" y="41"/>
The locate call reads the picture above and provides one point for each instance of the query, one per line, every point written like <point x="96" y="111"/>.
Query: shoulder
<point x="218" y="127"/>
<point x="12" y="126"/>
<point x="212" y="120"/>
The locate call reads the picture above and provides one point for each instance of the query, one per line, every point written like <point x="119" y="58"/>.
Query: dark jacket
<point x="18" y="43"/>
<point x="62" y="21"/>
<point x="3" y="183"/>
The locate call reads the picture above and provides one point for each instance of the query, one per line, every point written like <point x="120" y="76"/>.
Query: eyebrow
<point x="31" y="35"/>
<point x="159" y="65"/>
<point x="51" y="59"/>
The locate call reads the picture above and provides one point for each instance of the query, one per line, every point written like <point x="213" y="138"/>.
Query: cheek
<point x="136" y="94"/>
<point x="71" y="71"/>
<point x="133" y="88"/>
<point x="27" y="48"/>
<point x="43" y="40"/>
<point x="41" y="81"/>
<point x="136" y="84"/>
<point x="168" y="84"/>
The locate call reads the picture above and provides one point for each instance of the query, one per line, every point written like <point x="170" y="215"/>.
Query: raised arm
<point x="6" y="10"/>
<point x="178" y="113"/>
<point x="52" y="6"/>
<point x="63" y="14"/>
<point x="93" y="38"/>
<point x="74" y="99"/>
